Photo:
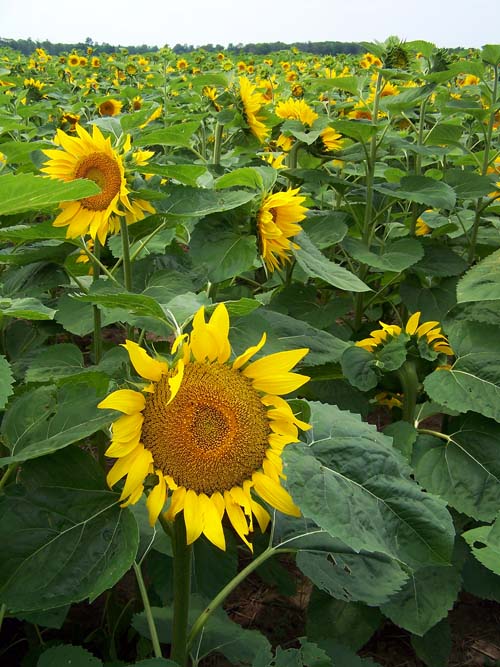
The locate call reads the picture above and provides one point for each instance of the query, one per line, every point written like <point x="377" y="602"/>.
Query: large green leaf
<point x="68" y="656"/>
<point x="434" y="647"/>
<point x="425" y="599"/>
<point x="6" y="381"/>
<point x="46" y="419"/>
<point x="79" y="540"/>
<point x="175" y="135"/>
<point x="25" y="192"/>
<point x="352" y="483"/>
<point x="396" y="256"/>
<point x="183" y="200"/>
<point x="227" y="255"/>
<point x="348" y="623"/>
<point x="54" y="362"/>
<point x="26" y="308"/>
<point x="422" y="190"/>
<point x="473" y="382"/>
<point x="484" y="542"/>
<point x="482" y="281"/>
<point x="184" y="173"/>
<point x="315" y="264"/>
<point x="286" y="333"/>
<point x="219" y="634"/>
<point x="464" y="468"/>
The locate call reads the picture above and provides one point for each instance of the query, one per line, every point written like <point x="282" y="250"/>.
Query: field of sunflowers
<point x="249" y="333"/>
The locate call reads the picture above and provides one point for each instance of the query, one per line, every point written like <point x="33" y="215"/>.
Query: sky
<point x="446" y="23"/>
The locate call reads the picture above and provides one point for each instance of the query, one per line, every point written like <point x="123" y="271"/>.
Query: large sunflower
<point x="277" y="224"/>
<point x="93" y="157"/>
<point x="296" y="110"/>
<point x="252" y="104"/>
<point x="211" y="431"/>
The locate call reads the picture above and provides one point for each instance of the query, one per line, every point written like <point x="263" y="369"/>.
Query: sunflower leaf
<point x="79" y="538"/>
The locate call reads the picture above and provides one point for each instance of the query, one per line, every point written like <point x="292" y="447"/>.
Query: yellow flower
<point x="211" y="430"/>
<point x="95" y="62"/>
<point x="422" y="228"/>
<point x="93" y="157"/>
<point x="277" y="223"/>
<point x="430" y="331"/>
<point x="74" y="60"/>
<point x="182" y="64"/>
<point x="83" y="61"/>
<point x="110" y="107"/>
<point x="136" y="103"/>
<point x="252" y="104"/>
<point x="332" y="140"/>
<point x="296" y="110"/>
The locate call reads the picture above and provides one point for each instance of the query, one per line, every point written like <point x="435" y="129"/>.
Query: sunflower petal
<point x="213" y="524"/>
<point x="148" y="368"/>
<point x="127" y="401"/>
<point x="193" y="516"/>
<point x="273" y="493"/>
<point x="156" y="499"/>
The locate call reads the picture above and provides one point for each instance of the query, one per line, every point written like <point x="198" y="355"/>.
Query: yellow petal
<point x="175" y="381"/>
<point x="243" y="358"/>
<point x="122" y="466"/>
<point x="193" y="516"/>
<point x="412" y="324"/>
<point x="213" y="525"/>
<point x="134" y="497"/>
<point x="156" y="499"/>
<point x="203" y="342"/>
<point x="137" y="472"/>
<point x="278" y="363"/>
<point x="426" y="327"/>
<point x="219" y="325"/>
<point x="127" y="428"/>
<point x="148" y="368"/>
<point x="273" y="493"/>
<point x="261" y="514"/>
<point x="237" y="518"/>
<point x="124" y="400"/>
<point x="176" y="503"/>
<point x="280" y="384"/>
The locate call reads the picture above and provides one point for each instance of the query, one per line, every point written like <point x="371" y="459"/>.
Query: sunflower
<point x="277" y="223"/>
<point x="430" y="332"/>
<point x="296" y="110"/>
<point x="93" y="157"/>
<point x="422" y="228"/>
<point x="252" y="104"/>
<point x="110" y="107"/>
<point x="73" y="60"/>
<point x="332" y="140"/>
<point x="211" y="431"/>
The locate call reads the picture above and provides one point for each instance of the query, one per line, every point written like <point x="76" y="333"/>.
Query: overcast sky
<point x="168" y="22"/>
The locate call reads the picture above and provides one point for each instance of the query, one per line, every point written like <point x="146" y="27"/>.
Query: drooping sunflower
<point x="110" y="107"/>
<point x="296" y="110"/>
<point x="277" y="224"/>
<point x="332" y="140"/>
<point x="211" y="431"/>
<point x="93" y="157"/>
<point x="252" y="104"/>
<point x="430" y="332"/>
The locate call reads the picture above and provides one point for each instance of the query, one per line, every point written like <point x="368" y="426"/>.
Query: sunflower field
<point x="249" y="338"/>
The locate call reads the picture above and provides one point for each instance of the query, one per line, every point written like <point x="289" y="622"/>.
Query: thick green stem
<point x="293" y="156"/>
<point x="486" y="162"/>
<point x="97" y="338"/>
<point x="147" y="610"/>
<point x="127" y="265"/>
<point x="8" y="474"/>
<point x="182" y="592"/>
<point x="410" y="385"/>
<point x="218" y="142"/>
<point x="222" y="595"/>
<point x="367" y="222"/>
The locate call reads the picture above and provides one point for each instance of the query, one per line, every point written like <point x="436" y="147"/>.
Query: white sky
<point x="159" y="22"/>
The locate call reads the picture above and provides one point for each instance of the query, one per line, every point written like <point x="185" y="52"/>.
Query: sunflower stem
<point x="224" y="592"/>
<point x="182" y="592"/>
<point x="8" y="474"/>
<point x="147" y="610"/>
<point x="218" y="142"/>
<point x="410" y="385"/>
<point x="127" y="265"/>
<point x="97" y="340"/>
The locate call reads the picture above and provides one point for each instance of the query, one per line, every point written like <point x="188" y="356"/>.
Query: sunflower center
<point x="103" y="170"/>
<point x="213" y="435"/>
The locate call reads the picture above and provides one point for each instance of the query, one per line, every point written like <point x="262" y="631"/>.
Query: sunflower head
<point x="209" y="429"/>
<point x="252" y="103"/>
<point x="110" y="107"/>
<point x="427" y="337"/>
<point x="94" y="158"/>
<point x="277" y="223"/>
<point x="296" y="110"/>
